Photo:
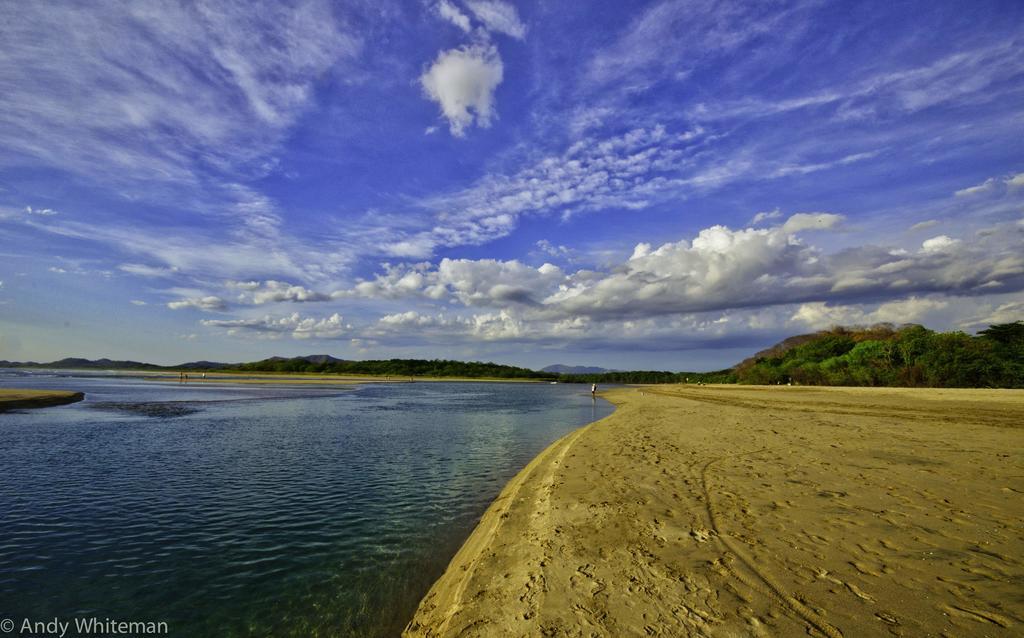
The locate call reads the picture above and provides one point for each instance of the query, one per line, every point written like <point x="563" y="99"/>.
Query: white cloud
<point x="633" y="170"/>
<point x="462" y="81"/>
<point x="143" y="270"/>
<point x="138" y="302"/>
<point x="485" y="282"/>
<point x="139" y="92"/>
<point x="295" y="325"/>
<point x="492" y="326"/>
<point x="451" y="13"/>
<point x="969" y="76"/>
<point x="930" y="223"/>
<point x="199" y="253"/>
<point x="492" y="282"/>
<point x="498" y="16"/>
<point x="43" y="212"/>
<point x="1003" y="313"/>
<point x="671" y="36"/>
<point x="766" y="216"/>
<point x="811" y="221"/>
<point x="938" y="244"/>
<point x="208" y="303"/>
<point x="804" y="168"/>
<point x="555" y="250"/>
<point x="397" y="282"/>
<point x="819" y="315"/>
<point x="992" y="185"/>
<point x="987" y="186"/>
<point x="272" y="291"/>
<point x="586" y="118"/>
<point x="172" y="103"/>
<point x="721" y="269"/>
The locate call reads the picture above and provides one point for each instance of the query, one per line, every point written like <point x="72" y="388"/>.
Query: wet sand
<point x="756" y="511"/>
<point x="24" y="399"/>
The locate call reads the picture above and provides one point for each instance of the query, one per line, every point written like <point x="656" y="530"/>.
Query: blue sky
<point x="667" y="185"/>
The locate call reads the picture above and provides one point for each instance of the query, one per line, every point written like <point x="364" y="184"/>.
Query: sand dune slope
<point x="743" y="511"/>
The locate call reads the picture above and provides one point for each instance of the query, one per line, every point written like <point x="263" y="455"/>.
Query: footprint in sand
<point x="977" y="615"/>
<point x="864" y="569"/>
<point x="831" y="494"/>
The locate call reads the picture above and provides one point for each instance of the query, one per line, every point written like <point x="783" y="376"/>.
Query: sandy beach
<point x="23" y="399"/>
<point x="756" y="511"/>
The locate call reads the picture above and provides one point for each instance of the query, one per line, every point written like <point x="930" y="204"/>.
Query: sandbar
<point x="11" y="399"/>
<point x="756" y="511"/>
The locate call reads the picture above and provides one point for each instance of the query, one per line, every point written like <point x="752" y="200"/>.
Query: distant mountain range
<point x="311" y="358"/>
<point x="559" y="368"/>
<point x="77" y="363"/>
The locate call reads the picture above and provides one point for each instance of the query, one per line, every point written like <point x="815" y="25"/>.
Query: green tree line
<point x="397" y="368"/>
<point x="911" y="356"/>
<point x="652" y="376"/>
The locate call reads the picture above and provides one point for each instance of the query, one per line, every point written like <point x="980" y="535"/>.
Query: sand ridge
<point x="17" y="399"/>
<point x="753" y="511"/>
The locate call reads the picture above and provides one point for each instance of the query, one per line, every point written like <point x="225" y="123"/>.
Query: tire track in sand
<point x="757" y="579"/>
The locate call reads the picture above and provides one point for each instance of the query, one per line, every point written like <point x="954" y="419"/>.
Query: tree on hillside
<point x="1010" y="335"/>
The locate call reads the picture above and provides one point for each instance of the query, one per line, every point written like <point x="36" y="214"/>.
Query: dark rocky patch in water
<point x="164" y="410"/>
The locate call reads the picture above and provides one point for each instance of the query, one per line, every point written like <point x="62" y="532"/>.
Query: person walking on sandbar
<point x="593" y="390"/>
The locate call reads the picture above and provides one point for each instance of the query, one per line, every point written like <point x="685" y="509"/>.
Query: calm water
<point x="251" y="511"/>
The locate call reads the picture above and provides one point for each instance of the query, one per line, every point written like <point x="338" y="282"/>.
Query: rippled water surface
<point x="255" y="510"/>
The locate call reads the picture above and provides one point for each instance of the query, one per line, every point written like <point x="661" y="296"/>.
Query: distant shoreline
<point x="11" y="399"/>
<point x="296" y="378"/>
<point x="291" y="378"/>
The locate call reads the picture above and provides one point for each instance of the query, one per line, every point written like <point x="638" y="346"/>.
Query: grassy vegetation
<point x="911" y="356"/>
<point x="652" y="376"/>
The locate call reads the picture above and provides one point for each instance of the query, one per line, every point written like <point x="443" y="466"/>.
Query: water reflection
<point x="257" y="510"/>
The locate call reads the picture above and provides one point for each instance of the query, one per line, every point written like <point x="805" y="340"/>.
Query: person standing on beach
<point x="593" y="390"/>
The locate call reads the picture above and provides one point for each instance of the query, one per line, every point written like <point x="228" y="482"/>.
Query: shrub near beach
<point x="911" y="356"/>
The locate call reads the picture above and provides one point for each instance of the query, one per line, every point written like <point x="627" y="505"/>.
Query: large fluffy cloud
<point x="462" y="81"/>
<point x="272" y="291"/>
<point x="728" y="287"/>
<point x="208" y="303"/>
<point x="721" y="269"/>
<point x="818" y="314"/>
<point x="484" y="282"/>
<point x="295" y="325"/>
